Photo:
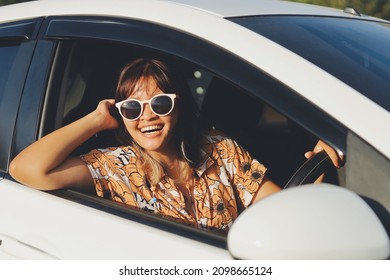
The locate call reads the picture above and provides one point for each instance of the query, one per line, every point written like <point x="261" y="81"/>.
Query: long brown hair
<point x="186" y="133"/>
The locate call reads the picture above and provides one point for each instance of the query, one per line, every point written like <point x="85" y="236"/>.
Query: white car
<point x="275" y="75"/>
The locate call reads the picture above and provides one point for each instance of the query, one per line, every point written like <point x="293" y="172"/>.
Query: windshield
<point x="355" y="51"/>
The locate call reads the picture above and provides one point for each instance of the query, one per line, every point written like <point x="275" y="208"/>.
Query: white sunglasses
<point x="160" y="104"/>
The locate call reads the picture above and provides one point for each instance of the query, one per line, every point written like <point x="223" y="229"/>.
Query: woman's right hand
<point x="103" y="111"/>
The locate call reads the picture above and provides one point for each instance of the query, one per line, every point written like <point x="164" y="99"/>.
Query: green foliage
<point x="8" y="2"/>
<point x="376" y="8"/>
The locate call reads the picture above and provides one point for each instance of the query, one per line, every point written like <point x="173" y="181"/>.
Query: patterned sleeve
<point x="245" y="172"/>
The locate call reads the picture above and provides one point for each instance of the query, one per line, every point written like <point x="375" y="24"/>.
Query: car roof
<point x="234" y="8"/>
<point x="128" y="8"/>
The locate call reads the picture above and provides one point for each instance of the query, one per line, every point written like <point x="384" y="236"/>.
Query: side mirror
<point x="319" y="221"/>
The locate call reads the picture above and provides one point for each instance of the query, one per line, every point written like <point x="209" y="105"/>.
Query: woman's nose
<point x="147" y="113"/>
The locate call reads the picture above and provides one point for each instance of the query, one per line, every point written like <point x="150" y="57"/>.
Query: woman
<point x="163" y="164"/>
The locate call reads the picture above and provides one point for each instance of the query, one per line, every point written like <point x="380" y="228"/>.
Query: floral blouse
<point x="224" y="185"/>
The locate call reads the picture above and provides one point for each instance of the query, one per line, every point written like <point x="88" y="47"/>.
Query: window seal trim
<point x="20" y="30"/>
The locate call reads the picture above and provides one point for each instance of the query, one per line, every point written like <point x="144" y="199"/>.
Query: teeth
<point x="151" y="128"/>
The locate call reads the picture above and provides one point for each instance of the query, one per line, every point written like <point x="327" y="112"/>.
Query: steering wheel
<point x="310" y="170"/>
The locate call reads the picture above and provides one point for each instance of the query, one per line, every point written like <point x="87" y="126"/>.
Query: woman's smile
<point x="152" y="130"/>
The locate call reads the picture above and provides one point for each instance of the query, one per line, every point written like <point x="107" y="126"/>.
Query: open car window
<point x="90" y="75"/>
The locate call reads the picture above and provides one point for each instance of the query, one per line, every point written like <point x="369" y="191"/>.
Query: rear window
<point x="8" y="53"/>
<point x="355" y="51"/>
<point x="7" y="56"/>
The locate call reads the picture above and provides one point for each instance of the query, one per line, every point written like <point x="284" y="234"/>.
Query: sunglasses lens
<point x="131" y="109"/>
<point x="162" y="105"/>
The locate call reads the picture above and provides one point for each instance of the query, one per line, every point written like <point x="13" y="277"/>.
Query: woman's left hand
<point x="322" y="146"/>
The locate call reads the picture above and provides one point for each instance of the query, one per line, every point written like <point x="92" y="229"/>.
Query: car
<point x="275" y="75"/>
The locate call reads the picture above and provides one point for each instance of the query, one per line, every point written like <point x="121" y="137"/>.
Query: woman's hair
<point x="186" y="135"/>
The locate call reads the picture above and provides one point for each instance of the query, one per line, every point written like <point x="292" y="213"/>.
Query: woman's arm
<point x="46" y="164"/>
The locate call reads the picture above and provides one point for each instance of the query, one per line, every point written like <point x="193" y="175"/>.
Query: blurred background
<point x="377" y="8"/>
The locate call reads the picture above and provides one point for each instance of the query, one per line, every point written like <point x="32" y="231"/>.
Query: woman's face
<point x="152" y="132"/>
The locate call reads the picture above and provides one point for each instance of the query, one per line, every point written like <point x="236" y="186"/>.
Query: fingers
<point x="322" y="146"/>
<point x="309" y="155"/>
<point x="107" y="103"/>
<point x="106" y="108"/>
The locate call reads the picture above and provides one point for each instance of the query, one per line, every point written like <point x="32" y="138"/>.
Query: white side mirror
<point x="309" y="222"/>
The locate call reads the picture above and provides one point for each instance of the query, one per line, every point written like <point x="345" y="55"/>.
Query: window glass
<point x="355" y="51"/>
<point x="8" y="53"/>
<point x="7" y="56"/>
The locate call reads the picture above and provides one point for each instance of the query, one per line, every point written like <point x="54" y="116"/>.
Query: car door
<point x="17" y="45"/>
